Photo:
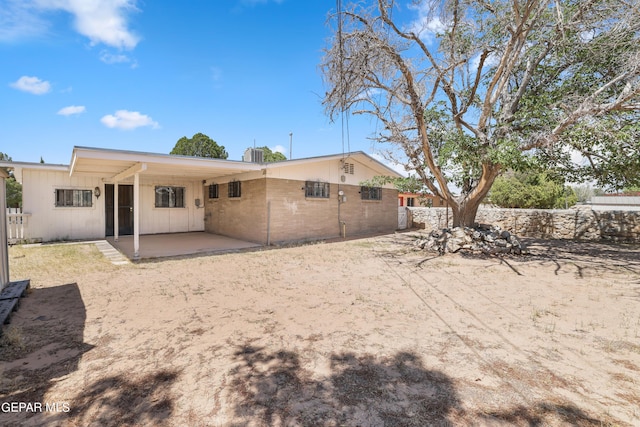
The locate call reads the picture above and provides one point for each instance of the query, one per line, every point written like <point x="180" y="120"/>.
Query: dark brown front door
<point x="125" y="209"/>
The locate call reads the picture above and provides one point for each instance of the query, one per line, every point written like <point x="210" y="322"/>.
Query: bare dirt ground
<point x="358" y="333"/>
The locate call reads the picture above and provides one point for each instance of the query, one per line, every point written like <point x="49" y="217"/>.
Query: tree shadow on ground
<point x="583" y="256"/>
<point x="586" y="256"/>
<point x="622" y="252"/>
<point x="120" y="401"/>
<point x="272" y="388"/>
<point x="541" y="414"/>
<point x="47" y="344"/>
<point x="45" y="341"/>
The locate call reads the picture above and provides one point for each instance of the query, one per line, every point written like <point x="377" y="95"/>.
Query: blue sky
<point x="138" y="75"/>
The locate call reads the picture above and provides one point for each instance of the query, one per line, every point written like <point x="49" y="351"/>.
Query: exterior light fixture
<point x="96" y="192"/>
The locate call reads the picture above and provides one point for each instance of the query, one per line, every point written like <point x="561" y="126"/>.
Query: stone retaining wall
<point x="580" y="222"/>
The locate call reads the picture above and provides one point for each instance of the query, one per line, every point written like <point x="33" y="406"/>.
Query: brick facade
<point x="243" y="217"/>
<point x="276" y="210"/>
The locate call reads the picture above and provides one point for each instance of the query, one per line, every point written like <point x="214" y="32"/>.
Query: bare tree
<point x="476" y="87"/>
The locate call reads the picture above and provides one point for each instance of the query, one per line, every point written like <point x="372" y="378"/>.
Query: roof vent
<point x="253" y="155"/>
<point x="348" y="168"/>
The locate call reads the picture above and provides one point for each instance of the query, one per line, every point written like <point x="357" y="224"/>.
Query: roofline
<point x="32" y="165"/>
<point x="254" y="166"/>
<point x="157" y="158"/>
<point x="408" y="193"/>
<point x="140" y="156"/>
<point x="149" y="154"/>
<point x="331" y="157"/>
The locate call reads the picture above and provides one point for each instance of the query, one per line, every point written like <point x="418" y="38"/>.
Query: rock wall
<point x="580" y="222"/>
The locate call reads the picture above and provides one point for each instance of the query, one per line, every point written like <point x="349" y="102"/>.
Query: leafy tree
<point x="199" y="145"/>
<point x="585" y="192"/>
<point x="635" y="189"/>
<point x="530" y="190"/>
<point x="14" y="188"/>
<point x="14" y="193"/>
<point x="409" y="184"/>
<point x="272" y="156"/>
<point x="477" y="87"/>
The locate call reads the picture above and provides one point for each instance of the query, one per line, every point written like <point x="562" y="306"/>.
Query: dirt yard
<point x="359" y="333"/>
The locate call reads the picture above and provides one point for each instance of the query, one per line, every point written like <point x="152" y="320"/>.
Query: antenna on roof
<point x="290" y="145"/>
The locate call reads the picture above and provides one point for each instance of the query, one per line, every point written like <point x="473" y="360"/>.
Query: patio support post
<point x="136" y="216"/>
<point x="4" y="251"/>
<point x="116" y="223"/>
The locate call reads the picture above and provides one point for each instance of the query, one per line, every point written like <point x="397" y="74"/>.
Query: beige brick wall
<point x="244" y="217"/>
<point x="294" y="217"/>
<point x="368" y="216"/>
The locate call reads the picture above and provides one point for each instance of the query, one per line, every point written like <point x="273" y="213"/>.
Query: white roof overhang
<point x="360" y="156"/>
<point x="118" y="165"/>
<point x="17" y="167"/>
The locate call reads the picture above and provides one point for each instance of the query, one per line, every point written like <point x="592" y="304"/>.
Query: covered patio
<point x="178" y="244"/>
<point x="119" y="168"/>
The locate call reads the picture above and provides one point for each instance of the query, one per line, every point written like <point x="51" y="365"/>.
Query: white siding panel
<point x="170" y="220"/>
<point x="48" y="222"/>
<point x="329" y="170"/>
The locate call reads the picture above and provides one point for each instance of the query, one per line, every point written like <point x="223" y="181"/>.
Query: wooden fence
<point x="17" y="225"/>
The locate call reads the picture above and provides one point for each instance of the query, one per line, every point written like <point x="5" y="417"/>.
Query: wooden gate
<point x="402" y="218"/>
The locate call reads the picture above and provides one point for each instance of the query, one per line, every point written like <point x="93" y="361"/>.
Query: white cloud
<point x="32" y="85"/>
<point x="426" y="25"/>
<point x="278" y="149"/>
<point x="71" y="110"/>
<point x="102" y="21"/>
<point x="127" y="120"/>
<point x="18" y="21"/>
<point x="491" y="61"/>
<point x="118" y="58"/>
<point x="110" y="58"/>
<point x="587" y="36"/>
<point x="577" y="157"/>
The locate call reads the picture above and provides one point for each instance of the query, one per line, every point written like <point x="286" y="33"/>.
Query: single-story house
<point x="616" y="202"/>
<point x="419" y="200"/>
<point x="106" y="192"/>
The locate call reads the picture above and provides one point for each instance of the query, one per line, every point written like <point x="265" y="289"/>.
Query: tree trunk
<point x="466" y="207"/>
<point x="464" y="213"/>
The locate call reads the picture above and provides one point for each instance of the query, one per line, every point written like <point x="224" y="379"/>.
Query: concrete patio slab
<point x="177" y="244"/>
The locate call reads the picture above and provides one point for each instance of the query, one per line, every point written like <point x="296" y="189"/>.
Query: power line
<point x="344" y="116"/>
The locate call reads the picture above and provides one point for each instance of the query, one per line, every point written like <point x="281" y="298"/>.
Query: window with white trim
<point x="74" y="198"/>
<point x="169" y="197"/>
